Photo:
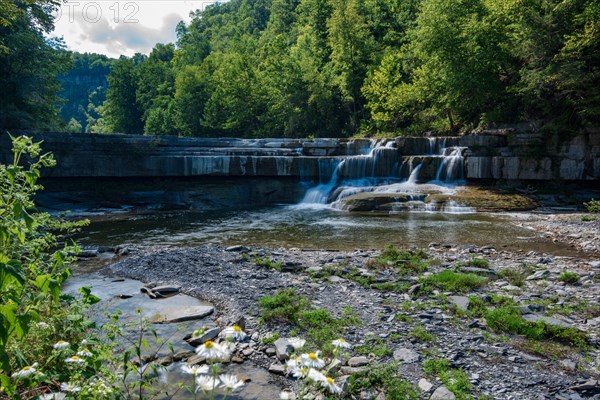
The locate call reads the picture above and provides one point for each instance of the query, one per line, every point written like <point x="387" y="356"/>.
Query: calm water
<point x="313" y="228"/>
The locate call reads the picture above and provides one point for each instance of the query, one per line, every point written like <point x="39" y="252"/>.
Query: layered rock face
<point x="491" y="156"/>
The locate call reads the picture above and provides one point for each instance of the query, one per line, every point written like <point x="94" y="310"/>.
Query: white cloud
<point x="121" y="27"/>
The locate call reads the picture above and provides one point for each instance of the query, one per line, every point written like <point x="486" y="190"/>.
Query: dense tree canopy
<point x="30" y="65"/>
<point x="256" y="68"/>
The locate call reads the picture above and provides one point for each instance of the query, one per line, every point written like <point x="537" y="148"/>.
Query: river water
<point x="316" y="228"/>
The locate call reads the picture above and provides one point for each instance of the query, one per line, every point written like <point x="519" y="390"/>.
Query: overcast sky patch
<point x="121" y="28"/>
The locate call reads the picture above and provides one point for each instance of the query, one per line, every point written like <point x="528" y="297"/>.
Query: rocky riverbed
<point x="406" y="316"/>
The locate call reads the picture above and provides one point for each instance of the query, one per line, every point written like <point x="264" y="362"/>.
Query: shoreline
<point x="496" y="366"/>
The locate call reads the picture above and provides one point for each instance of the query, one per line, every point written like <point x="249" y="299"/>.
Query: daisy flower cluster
<point x="309" y="367"/>
<point x="207" y="377"/>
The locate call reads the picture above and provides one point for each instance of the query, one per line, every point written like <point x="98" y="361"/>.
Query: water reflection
<point x="315" y="228"/>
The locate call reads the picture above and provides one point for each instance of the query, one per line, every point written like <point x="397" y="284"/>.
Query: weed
<point x="421" y="334"/>
<point x="284" y="305"/>
<point x="476" y="262"/>
<point x="587" y="218"/>
<point x="569" y="277"/>
<point x="455" y="380"/>
<point x="268" y="263"/>
<point x="382" y="377"/>
<point x="451" y="281"/>
<point x="407" y="262"/>
<point x="270" y="339"/>
<point x="376" y="347"/>
<point x="399" y="287"/>
<point x="508" y="319"/>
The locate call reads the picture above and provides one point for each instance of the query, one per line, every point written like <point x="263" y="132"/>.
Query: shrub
<point x="593" y="206"/>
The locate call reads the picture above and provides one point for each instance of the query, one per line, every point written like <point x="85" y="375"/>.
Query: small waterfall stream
<point x="381" y="169"/>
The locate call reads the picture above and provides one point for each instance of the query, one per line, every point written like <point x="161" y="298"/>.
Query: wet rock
<point x="442" y="393"/>
<point x="283" y="349"/>
<point x="407" y="356"/>
<point x="588" y="385"/>
<point x="206" y="336"/>
<point x="539" y="275"/>
<point x="88" y="254"/>
<point x="183" y="314"/>
<point x="358" y="361"/>
<point x="238" y="248"/>
<point x="166" y="290"/>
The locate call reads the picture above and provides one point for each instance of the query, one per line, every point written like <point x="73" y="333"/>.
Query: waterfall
<point x="357" y="171"/>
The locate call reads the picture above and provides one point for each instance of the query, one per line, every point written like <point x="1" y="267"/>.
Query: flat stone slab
<point x="177" y="314"/>
<point x="407" y="356"/>
<point x="442" y="393"/>
<point x="548" y="320"/>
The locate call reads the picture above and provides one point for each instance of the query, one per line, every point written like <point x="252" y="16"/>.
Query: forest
<point x="321" y="68"/>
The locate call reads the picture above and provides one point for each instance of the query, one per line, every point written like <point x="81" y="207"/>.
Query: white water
<point x="378" y="171"/>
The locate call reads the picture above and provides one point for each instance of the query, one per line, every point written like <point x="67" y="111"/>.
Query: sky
<point x="119" y="28"/>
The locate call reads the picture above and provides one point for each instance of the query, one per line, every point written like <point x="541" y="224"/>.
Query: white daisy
<point x="84" y="342"/>
<point x="25" y="371"/>
<point x="206" y="383"/>
<point x="212" y="351"/>
<point x="52" y="396"/>
<point x="61" y="344"/>
<point x="231" y="382"/>
<point x="296" y="343"/>
<point x="315" y="376"/>
<point x="234" y="333"/>
<point x="67" y="387"/>
<point x="312" y="360"/>
<point x="195" y="369"/>
<point x="329" y="383"/>
<point x="84" y="353"/>
<point x="75" y="360"/>
<point x="341" y="343"/>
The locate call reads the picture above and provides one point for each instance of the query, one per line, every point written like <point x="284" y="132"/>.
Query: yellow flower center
<point x="209" y="344"/>
<point x="330" y="381"/>
<point x="237" y="329"/>
<point x="27" y="368"/>
<point x="313" y="356"/>
<point x="341" y="340"/>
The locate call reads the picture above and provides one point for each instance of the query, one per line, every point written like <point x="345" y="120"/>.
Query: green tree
<point x="30" y="65"/>
<point x="121" y="111"/>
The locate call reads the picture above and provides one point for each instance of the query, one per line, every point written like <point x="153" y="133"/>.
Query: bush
<point x="33" y="265"/>
<point x="382" y="377"/>
<point x="593" y="206"/>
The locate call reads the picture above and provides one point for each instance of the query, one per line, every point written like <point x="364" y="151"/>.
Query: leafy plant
<point x="569" y="277"/>
<point x="268" y="263"/>
<point x="383" y="377"/>
<point x="593" y="206"/>
<point x="454" y="281"/>
<point x="33" y="265"/>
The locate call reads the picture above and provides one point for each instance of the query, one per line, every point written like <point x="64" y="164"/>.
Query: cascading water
<point x="381" y="171"/>
<point x="378" y="165"/>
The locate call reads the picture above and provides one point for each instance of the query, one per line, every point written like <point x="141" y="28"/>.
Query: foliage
<point x="30" y="64"/>
<point x="320" y="325"/>
<point x="382" y="377"/>
<point x="268" y="263"/>
<point x="421" y="334"/>
<point x="455" y="380"/>
<point x="451" y="281"/>
<point x="508" y="319"/>
<point x="569" y="277"/>
<point x="593" y="206"/>
<point x="406" y="262"/>
<point x="376" y="347"/>
<point x="284" y="305"/>
<point x="33" y="265"/>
